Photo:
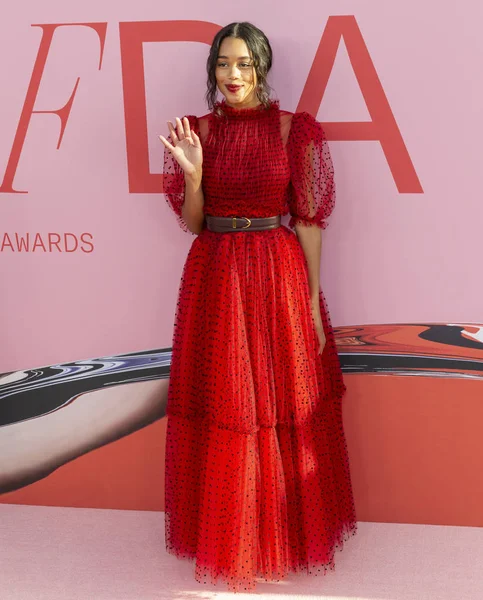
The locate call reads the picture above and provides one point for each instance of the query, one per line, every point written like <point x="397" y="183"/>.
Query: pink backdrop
<point x="393" y="253"/>
<point x="403" y="257"/>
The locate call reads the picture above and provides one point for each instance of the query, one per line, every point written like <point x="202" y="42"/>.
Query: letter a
<point x="383" y="126"/>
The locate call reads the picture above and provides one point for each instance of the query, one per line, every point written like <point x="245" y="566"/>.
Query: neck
<point x="249" y="104"/>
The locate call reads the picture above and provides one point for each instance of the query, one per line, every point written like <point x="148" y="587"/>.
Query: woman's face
<point x="235" y="75"/>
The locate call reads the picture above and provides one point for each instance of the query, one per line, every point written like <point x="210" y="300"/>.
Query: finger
<point x="172" y="132"/>
<point x="179" y="129"/>
<point x="186" y="125"/>
<point x="166" y="143"/>
<point x="196" y="139"/>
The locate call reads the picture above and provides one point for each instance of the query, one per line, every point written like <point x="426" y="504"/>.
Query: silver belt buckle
<point x="233" y="223"/>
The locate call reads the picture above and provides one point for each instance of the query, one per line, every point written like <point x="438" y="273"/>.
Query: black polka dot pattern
<point x="257" y="472"/>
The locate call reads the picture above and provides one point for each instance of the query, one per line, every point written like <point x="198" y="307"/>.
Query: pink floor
<point x="79" y="554"/>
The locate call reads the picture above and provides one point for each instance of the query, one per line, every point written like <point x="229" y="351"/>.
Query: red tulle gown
<point x="257" y="472"/>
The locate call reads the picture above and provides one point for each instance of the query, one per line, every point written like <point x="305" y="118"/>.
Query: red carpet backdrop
<point x="91" y="255"/>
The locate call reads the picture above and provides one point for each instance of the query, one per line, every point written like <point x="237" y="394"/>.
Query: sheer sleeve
<point x="311" y="196"/>
<point x="173" y="183"/>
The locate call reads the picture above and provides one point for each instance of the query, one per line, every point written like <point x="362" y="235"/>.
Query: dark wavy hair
<point x="260" y="51"/>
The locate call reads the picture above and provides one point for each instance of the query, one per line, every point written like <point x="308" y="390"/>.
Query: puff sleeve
<point x="311" y="194"/>
<point x="173" y="182"/>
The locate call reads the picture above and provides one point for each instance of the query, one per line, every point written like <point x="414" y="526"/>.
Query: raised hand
<point x="185" y="146"/>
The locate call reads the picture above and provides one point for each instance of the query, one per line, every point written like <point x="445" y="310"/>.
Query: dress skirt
<point x="257" y="472"/>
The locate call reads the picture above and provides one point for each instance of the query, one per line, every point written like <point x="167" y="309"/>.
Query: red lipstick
<point x="233" y="88"/>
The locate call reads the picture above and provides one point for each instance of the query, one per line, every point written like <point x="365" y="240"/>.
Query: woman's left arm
<point x="311" y="198"/>
<point x="310" y="239"/>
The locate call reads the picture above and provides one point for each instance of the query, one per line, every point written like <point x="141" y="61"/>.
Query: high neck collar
<point x="254" y="112"/>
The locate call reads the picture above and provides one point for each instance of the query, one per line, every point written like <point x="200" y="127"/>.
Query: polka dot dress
<point x="257" y="473"/>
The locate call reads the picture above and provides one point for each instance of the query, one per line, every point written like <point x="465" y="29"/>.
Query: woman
<point x="257" y="474"/>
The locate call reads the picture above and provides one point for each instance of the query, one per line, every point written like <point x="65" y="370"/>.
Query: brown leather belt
<point x="230" y="224"/>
